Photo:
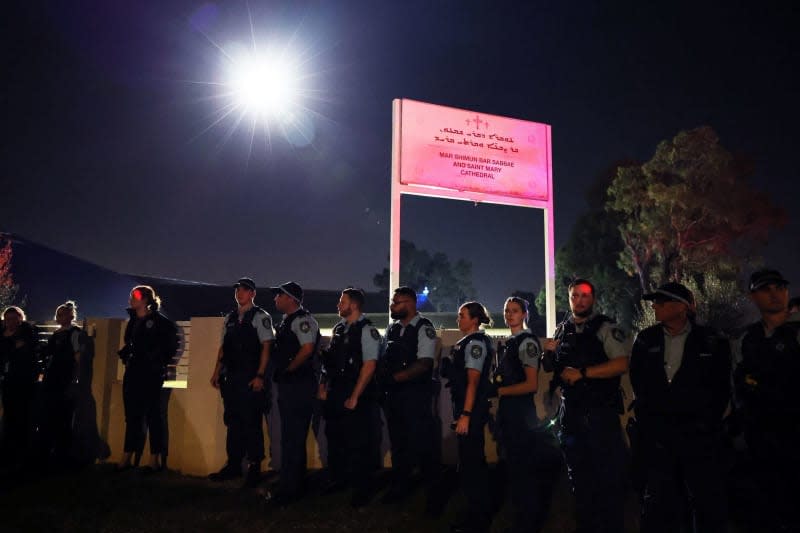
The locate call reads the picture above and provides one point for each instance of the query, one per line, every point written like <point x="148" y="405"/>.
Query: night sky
<point x="109" y="151"/>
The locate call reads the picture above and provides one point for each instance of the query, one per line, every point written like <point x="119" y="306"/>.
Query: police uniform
<point x="682" y="387"/>
<point x="242" y="343"/>
<point x="532" y="455"/>
<point x="296" y="392"/>
<point x="17" y="354"/>
<point x="590" y="434"/>
<point x="348" y="432"/>
<point x="408" y="405"/>
<point x="60" y="378"/>
<point x="152" y="342"/>
<point x="473" y="352"/>
<point x="765" y="381"/>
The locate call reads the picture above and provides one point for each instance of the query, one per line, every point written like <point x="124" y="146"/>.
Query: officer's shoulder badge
<point x="430" y="332"/>
<point x="618" y="334"/>
<point x="305" y="327"/>
<point x="476" y="352"/>
<point x="267" y="322"/>
<point x="530" y="349"/>
<point x="375" y="334"/>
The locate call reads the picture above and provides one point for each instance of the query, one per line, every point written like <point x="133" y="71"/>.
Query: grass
<point x="98" y="499"/>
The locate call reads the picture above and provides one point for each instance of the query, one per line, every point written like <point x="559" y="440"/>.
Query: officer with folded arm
<point x="680" y="373"/>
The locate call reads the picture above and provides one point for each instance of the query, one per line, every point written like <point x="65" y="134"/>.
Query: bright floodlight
<point x="264" y="86"/>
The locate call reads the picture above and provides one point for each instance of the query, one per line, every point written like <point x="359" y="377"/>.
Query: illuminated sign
<point x="463" y="150"/>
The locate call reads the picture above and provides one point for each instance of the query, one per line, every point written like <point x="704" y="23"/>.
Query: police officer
<point x="405" y="379"/>
<point x="296" y="343"/>
<point x="64" y="348"/>
<point x="591" y="353"/>
<point x="349" y="394"/>
<point x="240" y="374"/>
<point x="680" y="373"/>
<point x="768" y="356"/>
<point x="532" y="457"/>
<point x="17" y="368"/>
<point x="469" y="389"/>
<point x="151" y="342"/>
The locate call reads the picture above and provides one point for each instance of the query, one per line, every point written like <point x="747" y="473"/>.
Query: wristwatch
<point x="583" y="371"/>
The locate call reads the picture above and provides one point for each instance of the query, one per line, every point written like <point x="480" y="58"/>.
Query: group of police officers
<point x="688" y="380"/>
<point x="681" y="373"/>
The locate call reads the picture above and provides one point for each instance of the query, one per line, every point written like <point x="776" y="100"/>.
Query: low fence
<point x="196" y="430"/>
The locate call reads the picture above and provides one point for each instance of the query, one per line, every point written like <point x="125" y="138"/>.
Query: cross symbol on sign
<point x="477" y="121"/>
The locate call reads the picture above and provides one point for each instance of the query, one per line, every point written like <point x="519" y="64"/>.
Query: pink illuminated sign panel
<point x="467" y="151"/>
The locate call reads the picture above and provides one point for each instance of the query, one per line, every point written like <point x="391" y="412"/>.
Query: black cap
<point x="291" y="288"/>
<point x="672" y="291"/>
<point x="764" y="277"/>
<point x="246" y="282"/>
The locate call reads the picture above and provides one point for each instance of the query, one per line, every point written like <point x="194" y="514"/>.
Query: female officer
<point x="17" y="363"/>
<point x="469" y="388"/>
<point x="151" y="342"/>
<point x="532" y="454"/>
<point x="64" y="351"/>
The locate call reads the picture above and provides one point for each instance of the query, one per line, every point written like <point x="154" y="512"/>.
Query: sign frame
<point x="398" y="189"/>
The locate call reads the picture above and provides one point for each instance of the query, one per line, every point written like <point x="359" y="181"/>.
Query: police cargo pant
<point x="409" y="417"/>
<point x="349" y="436"/>
<point x="772" y="441"/>
<point x="141" y="396"/>
<point x="59" y="402"/>
<point x="591" y="439"/>
<point x="533" y="462"/>
<point x="474" y="472"/>
<point x="296" y="405"/>
<point x="684" y="466"/>
<point x="244" y="408"/>
<point x="18" y="394"/>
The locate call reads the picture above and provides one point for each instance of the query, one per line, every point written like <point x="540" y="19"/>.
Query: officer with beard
<point x="590" y="355"/>
<point x="405" y="379"/>
<point x="349" y="393"/>
<point x="768" y="356"/>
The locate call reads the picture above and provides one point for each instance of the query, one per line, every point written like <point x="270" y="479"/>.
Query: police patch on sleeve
<point x="476" y="352"/>
<point x="267" y="322"/>
<point x="375" y="334"/>
<point x="430" y="332"/>
<point x="618" y="334"/>
<point x="305" y="327"/>
<point x="530" y="349"/>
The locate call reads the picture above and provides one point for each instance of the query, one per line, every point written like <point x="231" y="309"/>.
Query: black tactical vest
<point x="287" y="345"/>
<point x="61" y="365"/>
<point x="401" y="350"/>
<point x="241" y="348"/>
<point x="344" y="358"/>
<point x="580" y="350"/>
<point x="507" y="367"/>
<point x="153" y="340"/>
<point x="458" y="373"/>
<point x="766" y="377"/>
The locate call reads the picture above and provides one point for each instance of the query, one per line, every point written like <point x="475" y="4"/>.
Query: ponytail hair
<point x="148" y="294"/>
<point x="69" y="305"/>
<point x="477" y="310"/>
